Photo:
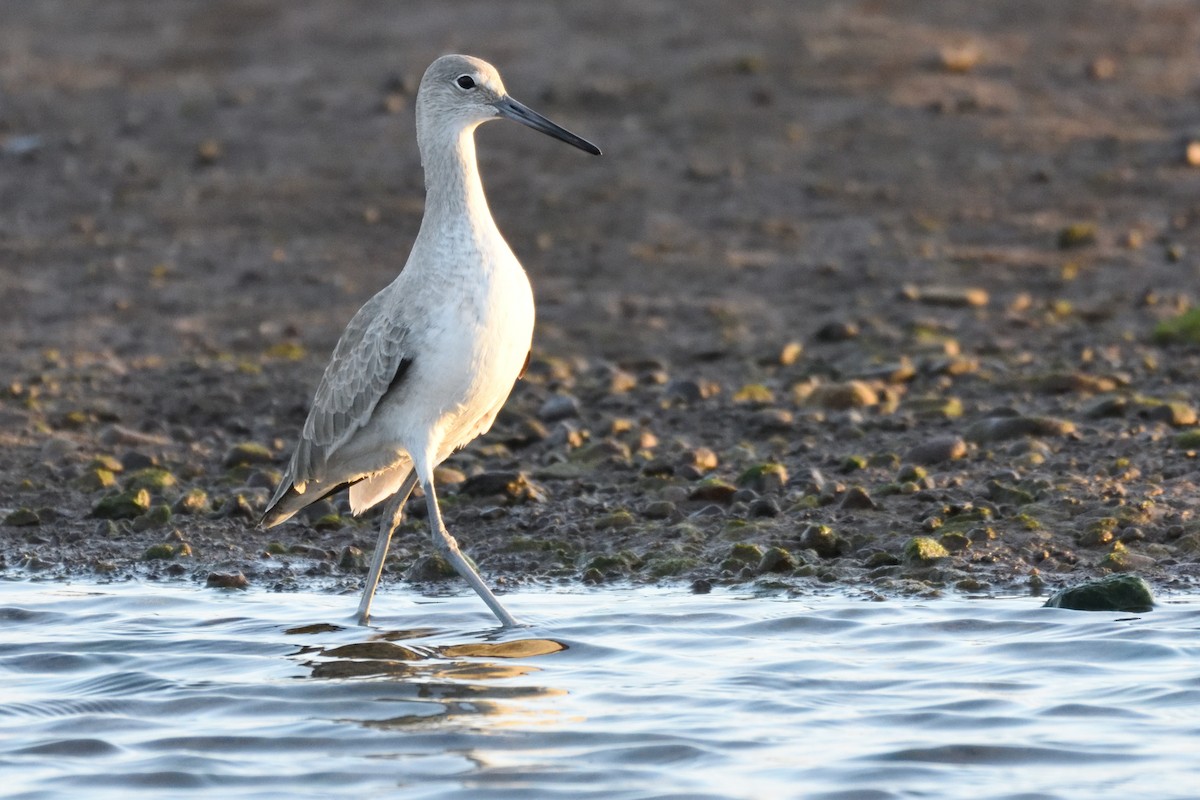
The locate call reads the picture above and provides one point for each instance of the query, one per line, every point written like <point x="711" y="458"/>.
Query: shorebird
<point x="426" y="364"/>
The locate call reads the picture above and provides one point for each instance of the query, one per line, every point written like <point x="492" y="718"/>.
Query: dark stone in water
<point x="1114" y="593"/>
<point x="226" y="580"/>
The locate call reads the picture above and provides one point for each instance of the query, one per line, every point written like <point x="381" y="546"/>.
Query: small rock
<point x="1173" y="412"/>
<point x="823" y="540"/>
<point x="512" y="485"/>
<point x="713" y="490"/>
<point x="22" y="517"/>
<point x="764" y="507"/>
<point x="559" y="407"/>
<point x="615" y="520"/>
<point x="776" y="559"/>
<point x="996" y="429"/>
<point x="659" y="509"/>
<point x="1079" y="234"/>
<point x="690" y="391"/>
<point x="95" y="479"/>
<point x="934" y="407"/>
<point x="1114" y="593"/>
<point x="763" y="478"/>
<point x="923" y="551"/>
<point x="226" y="580"/>
<point x="856" y="498"/>
<point x="352" y="559"/>
<point x="1000" y="493"/>
<point x="153" y="479"/>
<point x="836" y="331"/>
<point x="193" y="501"/>
<point x="159" y="552"/>
<point x="842" y="396"/>
<point x="950" y="296"/>
<point x="430" y="568"/>
<point x="936" y="450"/>
<point x="1121" y="559"/>
<point x="125" y="505"/>
<point x="247" y="453"/>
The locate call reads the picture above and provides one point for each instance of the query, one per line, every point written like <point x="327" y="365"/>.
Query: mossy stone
<point x="153" y="479"/>
<point x="745" y="553"/>
<point x="776" y="559"/>
<point x="125" y="505"/>
<point x="193" y="501"/>
<point x="247" y="453"/>
<point x="1184" y="328"/>
<point x="670" y="566"/>
<point x="96" y="478"/>
<point x="823" y="540"/>
<point x="22" y="517"/>
<point x="768" y="477"/>
<point x="922" y="551"/>
<point x="159" y="552"/>
<point x="1114" y="593"/>
<point x="617" y="519"/>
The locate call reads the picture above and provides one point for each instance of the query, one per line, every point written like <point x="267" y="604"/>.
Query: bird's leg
<point x="393" y="512"/>
<point x="449" y="549"/>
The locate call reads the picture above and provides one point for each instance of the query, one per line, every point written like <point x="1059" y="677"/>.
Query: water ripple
<point x="128" y="691"/>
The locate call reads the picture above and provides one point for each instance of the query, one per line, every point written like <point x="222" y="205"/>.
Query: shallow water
<point x="167" y="691"/>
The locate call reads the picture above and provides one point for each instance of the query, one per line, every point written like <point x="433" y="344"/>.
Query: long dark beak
<point x="527" y="116"/>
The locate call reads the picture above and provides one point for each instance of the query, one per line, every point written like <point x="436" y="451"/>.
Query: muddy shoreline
<point x="886" y="296"/>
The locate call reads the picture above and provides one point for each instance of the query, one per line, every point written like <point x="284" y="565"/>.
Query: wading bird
<point x="426" y="364"/>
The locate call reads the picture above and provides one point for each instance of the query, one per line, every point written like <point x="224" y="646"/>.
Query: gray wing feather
<point x="364" y="365"/>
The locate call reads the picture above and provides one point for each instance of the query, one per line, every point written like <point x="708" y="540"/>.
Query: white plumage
<point x="426" y="364"/>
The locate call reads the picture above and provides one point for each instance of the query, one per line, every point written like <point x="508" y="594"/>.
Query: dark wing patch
<point x="401" y="368"/>
<point x="369" y="361"/>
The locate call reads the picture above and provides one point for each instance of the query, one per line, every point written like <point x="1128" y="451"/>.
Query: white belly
<point x="469" y="356"/>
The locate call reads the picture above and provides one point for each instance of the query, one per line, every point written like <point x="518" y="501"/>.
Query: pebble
<point x="857" y="498"/>
<point x="685" y="390"/>
<point x="193" y="501"/>
<point x="659" y="509"/>
<point x="923" y="551"/>
<point x="823" y="541"/>
<point x="997" y="429"/>
<point x="776" y="559"/>
<point x="247" y="453"/>
<point x="951" y="296"/>
<point x="23" y="517"/>
<point x="842" y="396"/>
<point x="837" y="331"/>
<point x="125" y="505"/>
<point x="512" y="485"/>
<point x="352" y="559"/>
<point x="226" y="580"/>
<point x="764" y="507"/>
<point x="763" y="478"/>
<point x="559" y="407"/>
<point x="713" y="490"/>
<point x="937" y="450"/>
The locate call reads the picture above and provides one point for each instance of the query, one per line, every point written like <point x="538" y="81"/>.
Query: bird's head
<point x="460" y="92"/>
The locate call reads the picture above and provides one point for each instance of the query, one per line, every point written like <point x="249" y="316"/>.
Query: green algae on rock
<point x="1114" y="593"/>
<point x="125" y="505"/>
<point x="923" y="551"/>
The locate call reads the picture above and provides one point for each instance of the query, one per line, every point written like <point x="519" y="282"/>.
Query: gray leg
<point x="449" y="549"/>
<point x="392" y="513"/>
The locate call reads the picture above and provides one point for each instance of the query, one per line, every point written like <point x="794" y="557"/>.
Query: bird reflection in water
<point x="448" y="680"/>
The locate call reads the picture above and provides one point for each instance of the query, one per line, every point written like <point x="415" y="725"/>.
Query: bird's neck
<point x="453" y="189"/>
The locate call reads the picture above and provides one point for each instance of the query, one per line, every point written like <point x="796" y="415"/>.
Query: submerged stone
<point x="1114" y="593"/>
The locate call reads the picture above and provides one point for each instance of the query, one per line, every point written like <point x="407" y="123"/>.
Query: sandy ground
<point x="861" y="294"/>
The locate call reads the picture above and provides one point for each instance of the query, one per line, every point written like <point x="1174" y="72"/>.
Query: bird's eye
<point x="465" y="82"/>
